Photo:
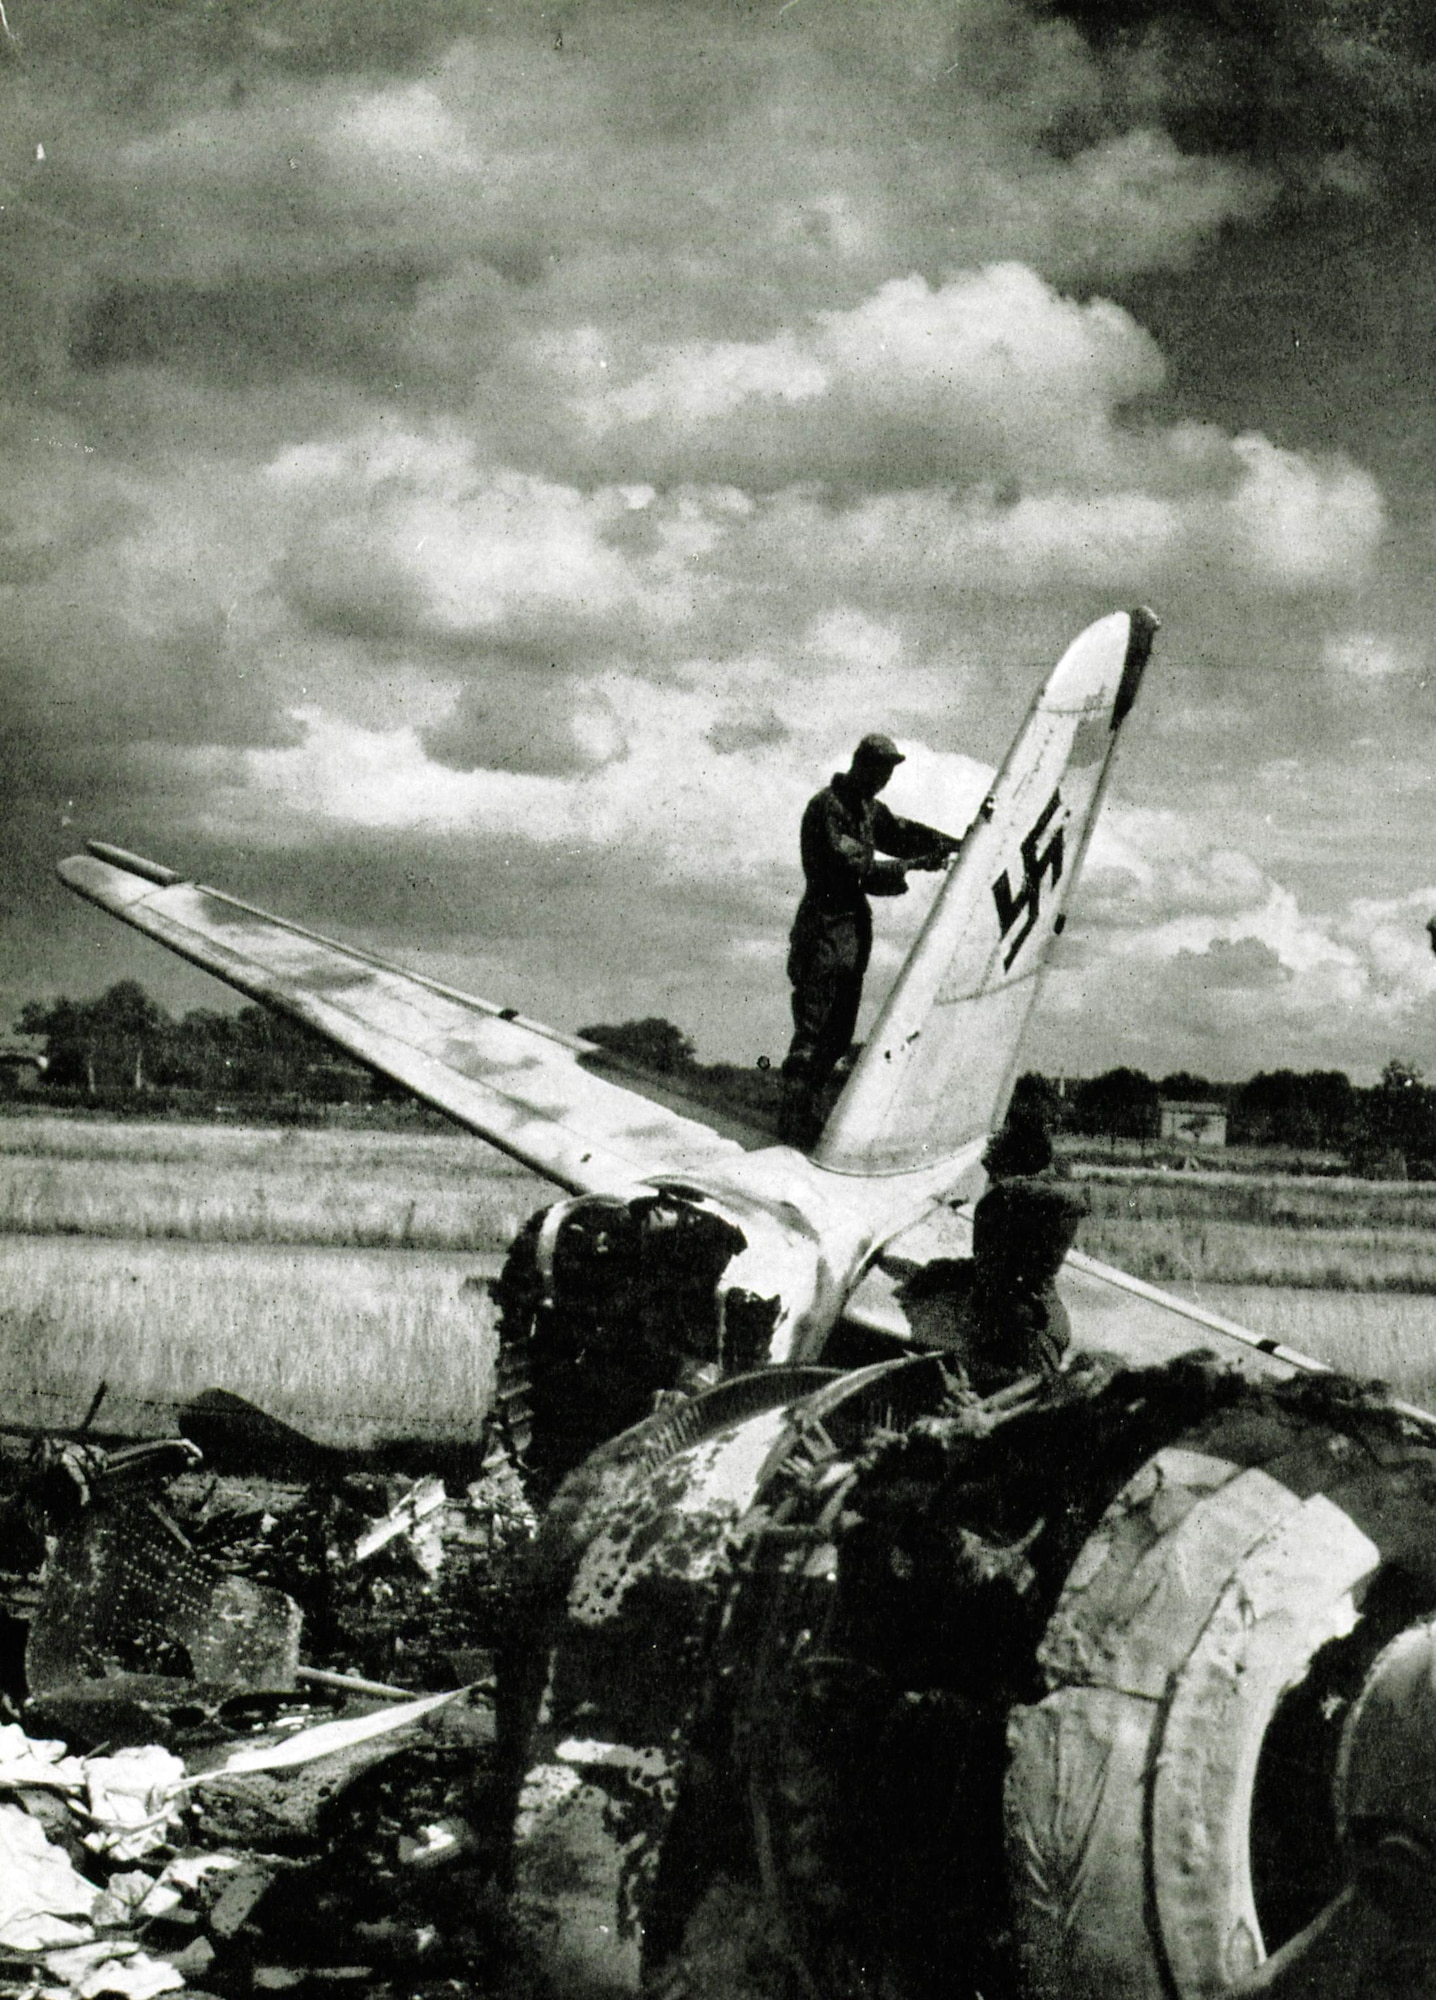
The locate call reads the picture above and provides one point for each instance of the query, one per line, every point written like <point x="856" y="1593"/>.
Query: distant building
<point x="22" y="1064"/>
<point x="1193" y="1124"/>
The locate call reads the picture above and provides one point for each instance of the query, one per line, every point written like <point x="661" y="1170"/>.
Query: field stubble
<point x="1328" y="1235"/>
<point x="322" y="1273"/>
<point x="222" y="1184"/>
<point x="1386" y="1336"/>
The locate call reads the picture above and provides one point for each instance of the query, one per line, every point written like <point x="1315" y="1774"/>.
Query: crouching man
<point x="1002" y="1316"/>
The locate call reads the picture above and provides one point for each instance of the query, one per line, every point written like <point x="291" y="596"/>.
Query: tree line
<point x="1312" y="1111"/>
<point x="123" y="1049"/>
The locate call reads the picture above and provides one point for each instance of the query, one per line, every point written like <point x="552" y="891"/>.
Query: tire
<point x="1167" y="1804"/>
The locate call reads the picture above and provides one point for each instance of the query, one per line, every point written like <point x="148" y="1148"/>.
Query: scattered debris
<point x="126" y="1593"/>
<point x="28" y="1760"/>
<point x="109" y="1967"/>
<point x="412" y="1516"/>
<point x="243" y="1822"/>
<point x="328" y="1738"/>
<point x="352" y="1684"/>
<point x="41" y="1892"/>
<point x="133" y="1801"/>
<point x="441" y="1840"/>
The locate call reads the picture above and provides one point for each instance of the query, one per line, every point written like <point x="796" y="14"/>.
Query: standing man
<point x="846" y="828"/>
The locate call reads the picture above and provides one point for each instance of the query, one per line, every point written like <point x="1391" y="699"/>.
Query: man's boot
<point x="798" y="1120"/>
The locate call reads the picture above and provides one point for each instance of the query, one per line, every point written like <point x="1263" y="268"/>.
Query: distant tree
<point x="199" y="1052"/>
<point x="652" y="1043"/>
<point x="1400" y="1114"/>
<point x="1286" y="1107"/>
<point x="1331" y="1100"/>
<point x="125" y="1041"/>
<point x="1036" y="1096"/>
<point x="62" y="1024"/>
<point x="106" y="1042"/>
<point x="273" y="1055"/>
<point x="1121" y="1104"/>
<point x="1181" y="1087"/>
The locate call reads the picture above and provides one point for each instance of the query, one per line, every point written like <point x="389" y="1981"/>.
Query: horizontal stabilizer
<point x="1112" y="1313"/>
<point x="522" y="1086"/>
<point x="935" y="1073"/>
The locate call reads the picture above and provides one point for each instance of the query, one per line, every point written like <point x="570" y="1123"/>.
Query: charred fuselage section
<point x="608" y="1302"/>
<point x="879" y="1688"/>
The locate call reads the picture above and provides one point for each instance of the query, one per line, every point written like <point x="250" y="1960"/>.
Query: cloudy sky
<point x="471" y="470"/>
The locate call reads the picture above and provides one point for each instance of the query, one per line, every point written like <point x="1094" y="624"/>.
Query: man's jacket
<point x="843" y="839"/>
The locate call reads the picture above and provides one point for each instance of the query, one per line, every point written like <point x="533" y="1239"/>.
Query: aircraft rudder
<point x="938" y="1064"/>
<point x="1143" y="627"/>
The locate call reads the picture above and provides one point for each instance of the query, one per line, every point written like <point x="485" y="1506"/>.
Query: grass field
<point x="1344" y="1235"/>
<point x="322" y="1273"/>
<point x="227" y="1184"/>
<point x="1373" y="1334"/>
<point x="354" y="1346"/>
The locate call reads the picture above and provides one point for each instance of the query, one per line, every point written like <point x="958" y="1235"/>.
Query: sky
<point x="472" y="470"/>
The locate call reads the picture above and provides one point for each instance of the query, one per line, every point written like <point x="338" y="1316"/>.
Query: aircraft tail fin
<point x="938" y="1066"/>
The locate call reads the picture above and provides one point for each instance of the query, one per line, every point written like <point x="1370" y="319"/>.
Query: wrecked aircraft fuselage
<point x="864" y="1685"/>
<point x="608" y="1300"/>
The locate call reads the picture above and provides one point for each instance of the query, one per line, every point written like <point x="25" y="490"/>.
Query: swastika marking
<point x="1025" y="904"/>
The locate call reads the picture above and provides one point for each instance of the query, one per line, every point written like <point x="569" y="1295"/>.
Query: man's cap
<point x="878" y="749"/>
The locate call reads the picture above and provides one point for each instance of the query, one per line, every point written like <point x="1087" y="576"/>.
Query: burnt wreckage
<point x="835" y="1680"/>
<point x="859" y="1685"/>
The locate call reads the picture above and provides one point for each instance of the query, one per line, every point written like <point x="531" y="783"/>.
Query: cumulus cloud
<point x="1211" y="959"/>
<point x="1245" y="964"/>
<point x="669" y="798"/>
<point x="1367" y="656"/>
<point x="517" y="452"/>
<point x="1324" y="96"/>
<point x="985" y="374"/>
<point x="417" y="532"/>
<point x="1301" y="524"/>
<point x="1129" y="884"/>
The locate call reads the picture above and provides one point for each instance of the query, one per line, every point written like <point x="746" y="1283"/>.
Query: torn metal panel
<point x="654" y="1545"/>
<point x="41" y="1894"/>
<point x="328" y="1738"/>
<point x="412" y="1517"/>
<point x="134" y="1801"/>
<point x="606" y="1760"/>
<point x="1075" y="1800"/>
<point x="126" y="1594"/>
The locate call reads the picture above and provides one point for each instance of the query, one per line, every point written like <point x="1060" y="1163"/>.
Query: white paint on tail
<point x="939" y="1064"/>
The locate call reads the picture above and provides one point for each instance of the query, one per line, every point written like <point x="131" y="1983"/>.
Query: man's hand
<point x="939" y="857"/>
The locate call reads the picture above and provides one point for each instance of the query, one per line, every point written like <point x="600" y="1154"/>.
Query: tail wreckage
<point x="848" y="1680"/>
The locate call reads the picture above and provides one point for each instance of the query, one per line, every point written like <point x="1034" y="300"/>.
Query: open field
<point x="1371" y="1334"/>
<point x="322" y="1273"/>
<point x="353" y="1346"/>
<point x="228" y="1184"/>
<point x="1328" y="1234"/>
